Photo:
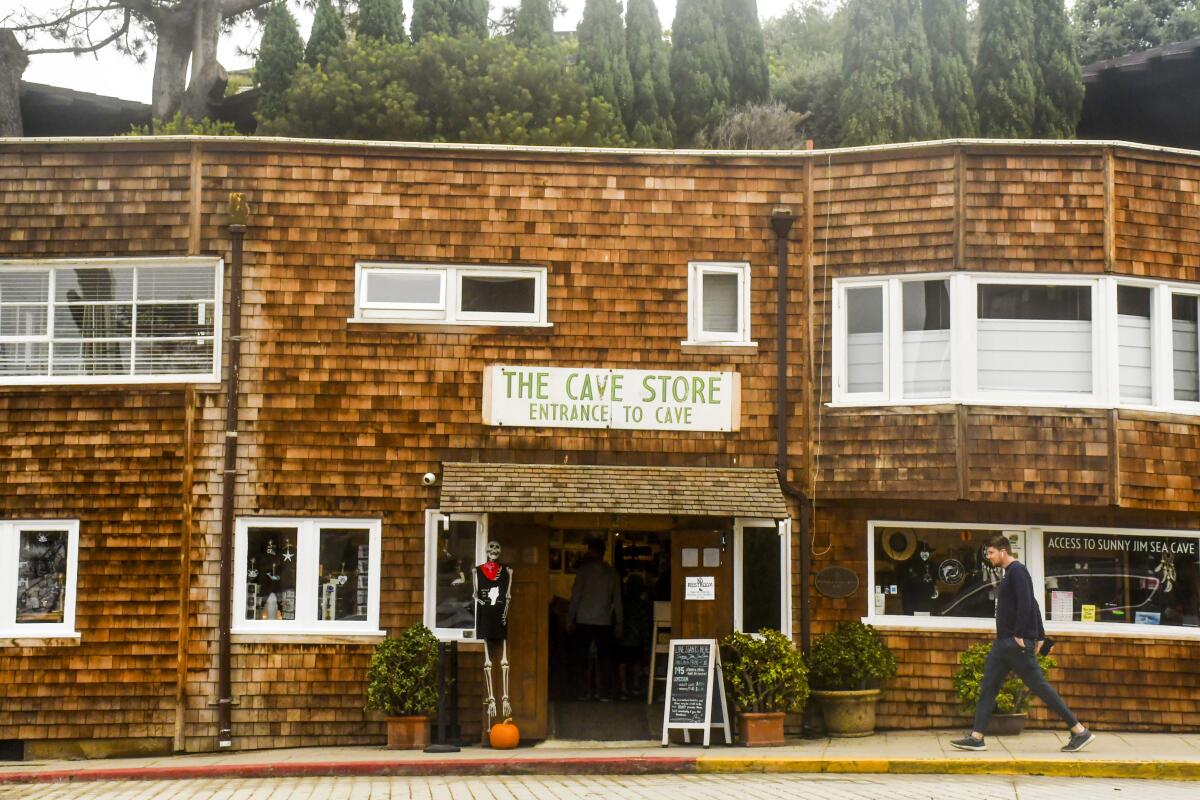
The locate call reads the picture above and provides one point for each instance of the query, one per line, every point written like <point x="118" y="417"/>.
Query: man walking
<point x="1019" y="636"/>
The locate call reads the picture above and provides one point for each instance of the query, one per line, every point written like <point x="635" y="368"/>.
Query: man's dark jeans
<point x="1007" y="656"/>
<point x="602" y="635"/>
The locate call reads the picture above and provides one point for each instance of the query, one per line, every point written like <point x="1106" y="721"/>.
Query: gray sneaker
<point x="1079" y="741"/>
<point x="969" y="743"/>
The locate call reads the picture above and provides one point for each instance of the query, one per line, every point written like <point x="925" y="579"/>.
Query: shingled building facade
<point x="443" y="345"/>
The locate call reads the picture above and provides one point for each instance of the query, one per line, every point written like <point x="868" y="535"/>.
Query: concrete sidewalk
<point x="1112" y="755"/>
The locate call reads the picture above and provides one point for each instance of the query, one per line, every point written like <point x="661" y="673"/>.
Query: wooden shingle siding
<point x="1157" y="209"/>
<point x="342" y="418"/>
<point x="1092" y="674"/>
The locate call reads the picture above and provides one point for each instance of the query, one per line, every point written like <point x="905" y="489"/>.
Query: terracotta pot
<point x="1006" y="724"/>
<point x="762" y="730"/>
<point x="848" y="713"/>
<point x="407" y="733"/>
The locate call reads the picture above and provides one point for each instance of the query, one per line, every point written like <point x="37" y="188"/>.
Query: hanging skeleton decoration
<point x="1166" y="571"/>
<point x="493" y="591"/>
<point x="930" y="584"/>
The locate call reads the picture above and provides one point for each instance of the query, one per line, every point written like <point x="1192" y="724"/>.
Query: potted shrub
<point x="402" y="683"/>
<point x="1012" y="702"/>
<point x="767" y="679"/>
<point x="847" y="669"/>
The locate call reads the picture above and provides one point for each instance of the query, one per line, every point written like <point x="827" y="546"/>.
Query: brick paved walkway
<point x="643" y="787"/>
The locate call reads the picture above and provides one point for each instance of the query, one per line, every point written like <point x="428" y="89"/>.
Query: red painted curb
<point x="479" y="766"/>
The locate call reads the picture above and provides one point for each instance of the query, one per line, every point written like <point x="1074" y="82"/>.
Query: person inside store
<point x="634" y="642"/>
<point x="596" y="618"/>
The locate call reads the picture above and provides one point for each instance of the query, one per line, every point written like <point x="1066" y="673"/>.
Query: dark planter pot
<point x="848" y="714"/>
<point x="1006" y="724"/>
<point x="407" y="733"/>
<point x="762" y="730"/>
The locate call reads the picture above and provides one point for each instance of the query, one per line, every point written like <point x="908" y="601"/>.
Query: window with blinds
<point x="718" y="303"/>
<point x="109" y="321"/>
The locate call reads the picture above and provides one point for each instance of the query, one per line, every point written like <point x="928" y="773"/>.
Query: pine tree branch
<point x="233" y="8"/>
<point x="67" y="16"/>
<point x="92" y="46"/>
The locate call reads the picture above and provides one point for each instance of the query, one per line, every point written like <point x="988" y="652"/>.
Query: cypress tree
<point x="449" y="18"/>
<point x="602" y="54"/>
<point x="748" y="77"/>
<point x="279" y="56"/>
<point x="534" y="24"/>
<point x="1060" y="86"/>
<point x="953" y="94"/>
<point x="700" y="66"/>
<point x="650" y="119"/>
<point x="1005" y="73"/>
<point x="328" y="33"/>
<point x="381" y="19"/>
<point x="888" y="92"/>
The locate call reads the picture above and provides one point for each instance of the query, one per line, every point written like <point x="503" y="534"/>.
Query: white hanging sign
<point x="632" y="399"/>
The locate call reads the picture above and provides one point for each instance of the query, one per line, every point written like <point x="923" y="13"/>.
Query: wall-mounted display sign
<point x="636" y="399"/>
<point x="700" y="587"/>
<point x="836" y="582"/>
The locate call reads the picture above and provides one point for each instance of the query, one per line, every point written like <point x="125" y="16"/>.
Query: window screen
<point x="720" y="302"/>
<point x="499" y="295"/>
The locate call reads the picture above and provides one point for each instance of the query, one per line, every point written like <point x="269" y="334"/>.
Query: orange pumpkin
<point x="504" y="735"/>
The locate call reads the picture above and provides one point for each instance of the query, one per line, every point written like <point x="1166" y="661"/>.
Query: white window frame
<point x="696" y="333"/>
<point x="10" y="539"/>
<point x="1164" y="358"/>
<point x="890" y="348"/>
<point x="52" y="266"/>
<point x="1033" y="557"/>
<point x="784" y="529"/>
<point x="308" y="531"/>
<point x="964" y="384"/>
<point x="447" y="311"/>
<point x="434" y="520"/>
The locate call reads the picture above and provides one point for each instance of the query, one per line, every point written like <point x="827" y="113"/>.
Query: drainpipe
<point x="782" y="220"/>
<point x="239" y="214"/>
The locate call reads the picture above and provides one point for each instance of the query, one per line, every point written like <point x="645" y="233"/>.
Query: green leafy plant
<point x="851" y="657"/>
<point x="402" y="679"/>
<point x="180" y="125"/>
<point x="764" y="671"/>
<point x="1014" y="695"/>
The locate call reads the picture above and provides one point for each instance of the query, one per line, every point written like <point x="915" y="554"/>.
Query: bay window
<point x="1034" y="340"/>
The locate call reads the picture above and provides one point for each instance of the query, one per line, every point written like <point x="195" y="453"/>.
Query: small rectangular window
<point x="1034" y="338"/>
<point x="718" y="303"/>
<point x="864" y="340"/>
<point x="452" y="294"/>
<point x="926" y="338"/>
<point x="1185" y="347"/>
<point x="1134" y="333"/>
<point x="307" y="576"/>
<point x="38" y="564"/>
<point x="453" y="546"/>
<point x="113" y="320"/>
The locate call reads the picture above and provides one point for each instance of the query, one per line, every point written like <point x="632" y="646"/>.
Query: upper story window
<point x="113" y="320"/>
<point x="441" y="294"/>
<point x="1024" y="340"/>
<point x="307" y="576"/>
<point x="718" y="303"/>
<point x="38" y="566"/>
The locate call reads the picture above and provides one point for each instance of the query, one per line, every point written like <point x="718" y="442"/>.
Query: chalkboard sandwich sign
<point x="695" y="698"/>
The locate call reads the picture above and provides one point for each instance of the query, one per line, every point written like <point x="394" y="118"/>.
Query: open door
<point x="525" y="549"/>
<point x="701" y="608"/>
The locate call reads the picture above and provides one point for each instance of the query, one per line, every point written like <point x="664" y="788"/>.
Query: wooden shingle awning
<point x="572" y="489"/>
